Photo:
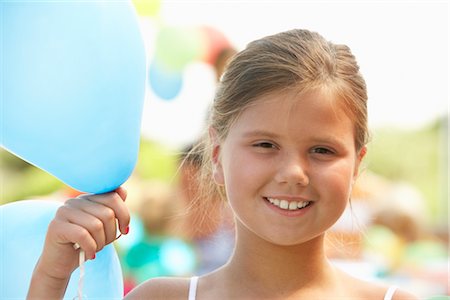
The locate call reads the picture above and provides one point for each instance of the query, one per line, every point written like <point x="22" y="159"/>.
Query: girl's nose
<point x="292" y="171"/>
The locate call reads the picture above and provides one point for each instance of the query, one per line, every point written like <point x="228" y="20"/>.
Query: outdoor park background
<point x="401" y="200"/>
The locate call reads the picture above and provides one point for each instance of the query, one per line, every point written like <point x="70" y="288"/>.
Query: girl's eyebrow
<point x="328" y="140"/>
<point x="259" y="133"/>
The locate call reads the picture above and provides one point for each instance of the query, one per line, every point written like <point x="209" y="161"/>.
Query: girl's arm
<point x="91" y="222"/>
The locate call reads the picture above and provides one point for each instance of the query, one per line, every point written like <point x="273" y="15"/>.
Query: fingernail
<point x="93" y="257"/>
<point x="127" y="230"/>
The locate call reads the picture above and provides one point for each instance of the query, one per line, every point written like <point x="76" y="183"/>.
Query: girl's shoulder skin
<point x="399" y="294"/>
<point x="178" y="288"/>
<point x="161" y="288"/>
<point x="404" y="295"/>
<point x="369" y="290"/>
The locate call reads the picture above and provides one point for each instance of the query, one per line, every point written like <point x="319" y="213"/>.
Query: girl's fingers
<point x="100" y="220"/>
<point x="115" y="201"/>
<point x="96" y="227"/>
<point x="70" y="233"/>
<point x="84" y="239"/>
<point x="90" y="222"/>
<point x="122" y="193"/>
<point x="97" y="216"/>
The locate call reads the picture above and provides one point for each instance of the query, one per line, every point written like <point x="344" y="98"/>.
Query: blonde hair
<point x="297" y="59"/>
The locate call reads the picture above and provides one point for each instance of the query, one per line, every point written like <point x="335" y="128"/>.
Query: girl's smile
<point x="288" y="208"/>
<point x="288" y="165"/>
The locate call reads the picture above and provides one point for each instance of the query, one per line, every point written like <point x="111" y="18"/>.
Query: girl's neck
<point x="279" y="268"/>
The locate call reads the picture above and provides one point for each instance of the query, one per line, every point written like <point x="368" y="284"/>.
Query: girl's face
<point x="288" y="165"/>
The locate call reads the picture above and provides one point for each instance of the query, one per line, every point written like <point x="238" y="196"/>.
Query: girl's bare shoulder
<point x="403" y="295"/>
<point x="380" y="291"/>
<point x="398" y="294"/>
<point x="161" y="288"/>
<point x="362" y="289"/>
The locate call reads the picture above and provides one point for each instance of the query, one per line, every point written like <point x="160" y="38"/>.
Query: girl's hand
<point x="91" y="222"/>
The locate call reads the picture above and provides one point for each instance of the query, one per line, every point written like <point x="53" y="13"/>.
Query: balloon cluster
<point x="175" y="47"/>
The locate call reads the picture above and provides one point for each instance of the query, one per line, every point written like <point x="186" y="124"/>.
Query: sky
<point x="402" y="48"/>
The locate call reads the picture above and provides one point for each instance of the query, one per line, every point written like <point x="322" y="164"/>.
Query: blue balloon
<point x="73" y="80"/>
<point x="23" y="228"/>
<point x="165" y="83"/>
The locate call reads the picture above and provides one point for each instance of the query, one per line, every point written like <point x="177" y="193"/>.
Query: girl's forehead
<point x="291" y="100"/>
<point x="296" y="112"/>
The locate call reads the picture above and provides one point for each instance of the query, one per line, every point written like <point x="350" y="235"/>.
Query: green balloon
<point x="176" y="47"/>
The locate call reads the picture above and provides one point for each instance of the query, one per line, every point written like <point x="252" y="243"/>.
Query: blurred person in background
<point x="211" y="233"/>
<point x="159" y="251"/>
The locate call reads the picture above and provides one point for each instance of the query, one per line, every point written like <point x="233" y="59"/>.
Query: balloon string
<point x="80" y="281"/>
<point x="81" y="260"/>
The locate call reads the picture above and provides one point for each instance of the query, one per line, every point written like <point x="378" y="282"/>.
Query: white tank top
<point x="194" y="283"/>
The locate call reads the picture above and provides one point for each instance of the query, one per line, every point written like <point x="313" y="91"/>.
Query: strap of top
<point x="390" y="292"/>
<point x="193" y="287"/>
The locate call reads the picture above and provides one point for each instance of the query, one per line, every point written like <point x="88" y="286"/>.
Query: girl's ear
<point x="359" y="159"/>
<point x="362" y="153"/>
<point x="217" y="170"/>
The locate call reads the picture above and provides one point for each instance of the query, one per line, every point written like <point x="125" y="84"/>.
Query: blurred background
<point x="397" y="228"/>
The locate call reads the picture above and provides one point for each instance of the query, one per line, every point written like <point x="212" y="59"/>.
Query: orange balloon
<point x="214" y="41"/>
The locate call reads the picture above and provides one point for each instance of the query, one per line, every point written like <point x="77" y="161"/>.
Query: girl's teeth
<point x="292" y="205"/>
<point x="284" y="204"/>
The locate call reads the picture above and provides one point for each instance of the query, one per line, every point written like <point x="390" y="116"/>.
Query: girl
<point x="287" y="134"/>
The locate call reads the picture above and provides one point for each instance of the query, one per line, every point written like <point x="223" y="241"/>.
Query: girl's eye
<point x="266" y="145"/>
<point x="322" y="150"/>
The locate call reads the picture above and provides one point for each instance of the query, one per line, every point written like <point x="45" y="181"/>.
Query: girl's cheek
<point x="337" y="176"/>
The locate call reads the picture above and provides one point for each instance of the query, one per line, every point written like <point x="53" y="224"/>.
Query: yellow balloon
<point x="148" y="8"/>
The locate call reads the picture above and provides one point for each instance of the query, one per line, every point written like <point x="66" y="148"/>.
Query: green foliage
<point x="21" y="180"/>
<point x="415" y="156"/>
<point x="156" y="161"/>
